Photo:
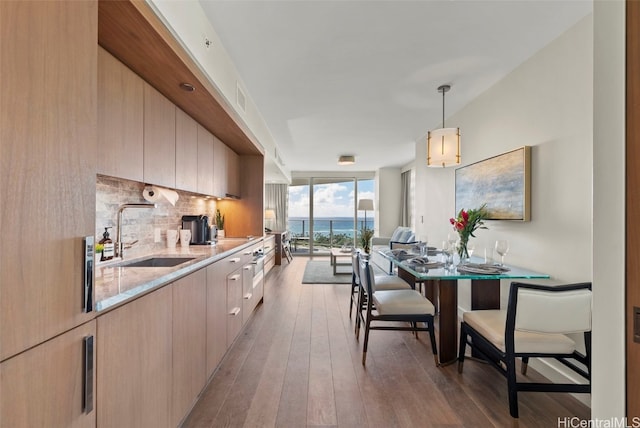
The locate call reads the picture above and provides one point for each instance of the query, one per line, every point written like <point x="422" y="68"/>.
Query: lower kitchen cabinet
<point x="134" y="363"/>
<point x="224" y="304"/>
<point x="44" y="386"/>
<point x="189" y="342"/>
<point x="216" y="315"/>
<point x="252" y="288"/>
<point x="234" y="305"/>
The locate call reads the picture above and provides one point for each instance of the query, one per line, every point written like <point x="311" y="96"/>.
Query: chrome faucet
<point x="119" y="244"/>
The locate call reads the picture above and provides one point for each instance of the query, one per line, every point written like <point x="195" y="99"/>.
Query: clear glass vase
<point x="463" y="251"/>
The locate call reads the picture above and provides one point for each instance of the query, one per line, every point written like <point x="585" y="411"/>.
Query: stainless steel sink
<point x="159" y="262"/>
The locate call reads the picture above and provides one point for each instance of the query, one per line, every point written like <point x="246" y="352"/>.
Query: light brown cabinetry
<point x="252" y="280"/>
<point x="205" y="161"/>
<point x="186" y="152"/>
<point x="233" y="173"/>
<point x="134" y="363"/>
<point x="48" y="133"/>
<point x="159" y="139"/>
<point x="224" y="297"/>
<point x="219" y="168"/>
<point x="269" y="253"/>
<point x="234" y="305"/>
<point x="216" y="314"/>
<point x="43" y="387"/>
<point x="226" y="169"/>
<point x="189" y="342"/>
<point x="120" y="119"/>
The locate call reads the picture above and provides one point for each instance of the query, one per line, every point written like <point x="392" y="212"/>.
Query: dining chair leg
<point x="525" y="365"/>
<point x="512" y="390"/>
<point x="359" y="314"/>
<point x="352" y="291"/>
<point x="432" y="336"/>
<point x="366" y="341"/>
<point x="462" y="348"/>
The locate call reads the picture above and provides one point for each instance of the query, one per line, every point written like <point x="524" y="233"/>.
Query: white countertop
<point x="115" y="284"/>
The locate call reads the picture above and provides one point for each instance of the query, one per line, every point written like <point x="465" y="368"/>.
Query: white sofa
<point x="400" y="236"/>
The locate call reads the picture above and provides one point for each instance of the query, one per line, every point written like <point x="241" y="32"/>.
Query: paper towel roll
<point x="156" y="194"/>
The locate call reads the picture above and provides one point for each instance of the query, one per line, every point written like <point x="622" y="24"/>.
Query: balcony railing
<point x="327" y="234"/>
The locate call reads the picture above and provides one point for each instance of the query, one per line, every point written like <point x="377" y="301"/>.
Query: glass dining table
<point x="441" y="287"/>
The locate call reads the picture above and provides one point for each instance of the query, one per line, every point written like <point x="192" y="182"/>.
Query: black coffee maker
<point x="199" y="227"/>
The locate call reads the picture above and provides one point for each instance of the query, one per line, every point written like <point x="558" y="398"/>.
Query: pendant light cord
<point x="443" y="91"/>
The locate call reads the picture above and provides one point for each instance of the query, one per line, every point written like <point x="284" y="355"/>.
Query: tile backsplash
<point x="140" y="224"/>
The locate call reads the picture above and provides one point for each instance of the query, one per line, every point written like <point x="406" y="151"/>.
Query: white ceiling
<point x="361" y="77"/>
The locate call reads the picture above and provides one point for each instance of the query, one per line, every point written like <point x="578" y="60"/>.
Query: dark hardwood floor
<point x="298" y="364"/>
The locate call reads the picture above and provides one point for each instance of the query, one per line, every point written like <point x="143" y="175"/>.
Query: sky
<point x="330" y="200"/>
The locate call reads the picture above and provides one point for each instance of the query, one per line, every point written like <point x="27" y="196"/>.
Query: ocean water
<point x="323" y="226"/>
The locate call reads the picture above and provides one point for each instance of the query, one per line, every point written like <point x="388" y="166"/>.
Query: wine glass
<point x="422" y="244"/>
<point x="502" y="248"/>
<point x="447" y="252"/>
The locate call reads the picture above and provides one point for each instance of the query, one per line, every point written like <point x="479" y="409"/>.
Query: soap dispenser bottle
<point x="108" y="247"/>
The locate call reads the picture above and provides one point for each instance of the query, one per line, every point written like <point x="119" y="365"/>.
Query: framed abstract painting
<point x="502" y="182"/>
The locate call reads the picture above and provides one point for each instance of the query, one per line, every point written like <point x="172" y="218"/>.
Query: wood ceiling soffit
<point x="132" y="32"/>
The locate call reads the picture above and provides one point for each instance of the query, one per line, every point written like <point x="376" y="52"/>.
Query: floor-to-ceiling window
<point x="323" y="213"/>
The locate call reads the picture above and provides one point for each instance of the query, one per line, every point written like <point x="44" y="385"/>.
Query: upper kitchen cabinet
<point x="159" y="139"/>
<point x="206" y="156"/>
<point x="233" y="173"/>
<point x="120" y="119"/>
<point x="219" y="168"/>
<point x="48" y="134"/>
<point x="226" y="169"/>
<point x="186" y="152"/>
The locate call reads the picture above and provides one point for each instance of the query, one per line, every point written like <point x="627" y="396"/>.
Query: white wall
<point x="546" y="103"/>
<point x="608" y="384"/>
<point x="388" y="200"/>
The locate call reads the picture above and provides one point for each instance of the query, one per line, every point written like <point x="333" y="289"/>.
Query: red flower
<point x="467" y="221"/>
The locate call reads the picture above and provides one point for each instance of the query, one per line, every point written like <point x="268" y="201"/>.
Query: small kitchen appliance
<point x="200" y="230"/>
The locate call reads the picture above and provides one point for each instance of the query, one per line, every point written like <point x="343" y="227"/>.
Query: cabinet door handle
<point x="235" y="277"/>
<point x="235" y="311"/>
<point x="87" y="274"/>
<point x="87" y="384"/>
<point x="248" y="296"/>
<point x="248" y="267"/>
<point x="248" y="253"/>
<point x="234" y="260"/>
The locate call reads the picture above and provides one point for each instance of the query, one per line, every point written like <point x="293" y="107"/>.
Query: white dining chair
<point x="537" y="323"/>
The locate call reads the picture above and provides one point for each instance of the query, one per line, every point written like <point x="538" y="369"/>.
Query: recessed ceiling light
<point x="188" y="87"/>
<point x="346" y="160"/>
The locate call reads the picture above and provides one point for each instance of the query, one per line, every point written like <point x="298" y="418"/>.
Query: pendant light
<point x="443" y="145"/>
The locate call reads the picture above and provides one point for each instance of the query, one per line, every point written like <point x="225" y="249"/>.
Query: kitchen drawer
<point x="234" y="305"/>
